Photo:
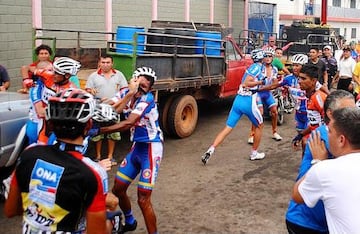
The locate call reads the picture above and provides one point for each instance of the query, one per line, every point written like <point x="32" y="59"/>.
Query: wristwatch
<point x="314" y="161"/>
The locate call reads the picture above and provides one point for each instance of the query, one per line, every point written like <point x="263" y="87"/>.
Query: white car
<point x="14" y="112"/>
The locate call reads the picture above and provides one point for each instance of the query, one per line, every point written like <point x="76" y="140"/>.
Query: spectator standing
<point x="334" y="181"/>
<point x="356" y="79"/>
<point x="4" y="79"/>
<point x="54" y="186"/>
<point x="331" y="65"/>
<point x="43" y="53"/>
<point x="322" y="71"/>
<point x="278" y="63"/>
<point x="345" y="70"/>
<point x="104" y="84"/>
<point x="300" y="218"/>
<point x="272" y="44"/>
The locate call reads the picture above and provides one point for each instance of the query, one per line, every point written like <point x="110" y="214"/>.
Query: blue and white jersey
<point x="273" y="75"/>
<point x="147" y="129"/>
<point x="255" y="71"/>
<point x="291" y="81"/>
<point x="266" y="94"/>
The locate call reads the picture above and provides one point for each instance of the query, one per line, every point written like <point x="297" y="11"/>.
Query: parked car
<point x="14" y="112"/>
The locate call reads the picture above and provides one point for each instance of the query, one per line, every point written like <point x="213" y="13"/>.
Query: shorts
<point x="144" y="159"/>
<point x="267" y="99"/>
<point x="115" y="136"/>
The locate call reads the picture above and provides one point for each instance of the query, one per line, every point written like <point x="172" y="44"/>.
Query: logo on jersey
<point x="44" y="181"/>
<point x="123" y="163"/>
<point x="146" y="173"/>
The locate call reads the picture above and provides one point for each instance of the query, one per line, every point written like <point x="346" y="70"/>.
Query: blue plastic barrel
<point x="126" y="34"/>
<point x="211" y="47"/>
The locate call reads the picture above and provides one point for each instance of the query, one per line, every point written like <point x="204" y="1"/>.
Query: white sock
<point x="211" y="150"/>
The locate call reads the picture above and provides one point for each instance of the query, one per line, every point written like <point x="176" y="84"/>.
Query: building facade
<point x="18" y="18"/>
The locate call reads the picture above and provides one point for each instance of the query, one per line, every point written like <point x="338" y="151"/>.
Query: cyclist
<point x="141" y="117"/>
<point x="52" y="82"/>
<point x="55" y="185"/>
<point x="244" y="104"/>
<point x="266" y="98"/>
<point x="315" y="99"/>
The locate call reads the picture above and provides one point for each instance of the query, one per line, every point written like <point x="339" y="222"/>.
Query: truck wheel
<point x="164" y="114"/>
<point x="182" y="116"/>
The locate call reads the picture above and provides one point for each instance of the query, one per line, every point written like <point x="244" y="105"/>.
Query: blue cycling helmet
<point x="257" y="55"/>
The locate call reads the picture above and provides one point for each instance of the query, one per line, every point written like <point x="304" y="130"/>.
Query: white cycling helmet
<point x="105" y="113"/>
<point x="72" y="105"/>
<point x="269" y="50"/>
<point x="299" y="59"/>
<point x="257" y="55"/>
<point x="65" y="65"/>
<point x="145" y="71"/>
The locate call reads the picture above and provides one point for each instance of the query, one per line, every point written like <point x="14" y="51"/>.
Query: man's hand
<point x="297" y="140"/>
<point x="133" y="85"/>
<point x="28" y="83"/>
<point x="317" y="146"/>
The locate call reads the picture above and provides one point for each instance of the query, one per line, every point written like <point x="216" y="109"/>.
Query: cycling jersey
<point x="315" y="109"/>
<point x="148" y="128"/>
<point x="58" y="185"/>
<point x="299" y="95"/>
<point x="245" y="101"/>
<point x="147" y="150"/>
<point x="266" y="96"/>
<point x="254" y="71"/>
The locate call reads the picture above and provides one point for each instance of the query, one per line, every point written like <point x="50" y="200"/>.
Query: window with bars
<point x="353" y="33"/>
<point x="352" y="3"/>
<point x="336" y="3"/>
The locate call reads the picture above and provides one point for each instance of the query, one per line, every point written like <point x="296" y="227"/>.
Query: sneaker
<point x="129" y="227"/>
<point x="251" y="140"/>
<point x="257" y="156"/>
<point x="276" y="137"/>
<point x="205" y="158"/>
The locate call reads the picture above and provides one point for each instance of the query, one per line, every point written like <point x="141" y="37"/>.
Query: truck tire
<point x="182" y="116"/>
<point x="164" y="114"/>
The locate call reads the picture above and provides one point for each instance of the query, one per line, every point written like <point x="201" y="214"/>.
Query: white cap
<point x="327" y="47"/>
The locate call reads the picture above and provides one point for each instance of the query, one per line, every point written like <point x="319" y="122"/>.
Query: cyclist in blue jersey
<point x="267" y="99"/>
<point x="141" y="117"/>
<point x="244" y="104"/>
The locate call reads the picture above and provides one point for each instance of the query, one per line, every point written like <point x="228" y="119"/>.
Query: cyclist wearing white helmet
<point x="141" y="117"/>
<point x="267" y="99"/>
<point x="52" y="82"/>
<point x="74" y="185"/>
<point x="244" y="104"/>
<point x="104" y="84"/>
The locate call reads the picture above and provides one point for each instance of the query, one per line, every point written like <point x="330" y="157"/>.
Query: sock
<point x="211" y="150"/>
<point x="253" y="152"/>
<point x="129" y="218"/>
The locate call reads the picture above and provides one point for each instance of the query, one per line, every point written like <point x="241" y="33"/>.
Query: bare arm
<point x="96" y="222"/>
<point x="295" y="193"/>
<point x="5" y="86"/>
<point x="13" y="205"/>
<point x="251" y="82"/>
<point x="122" y="125"/>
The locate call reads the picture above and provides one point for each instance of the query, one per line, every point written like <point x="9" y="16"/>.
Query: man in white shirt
<point x="346" y="67"/>
<point x="335" y="181"/>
